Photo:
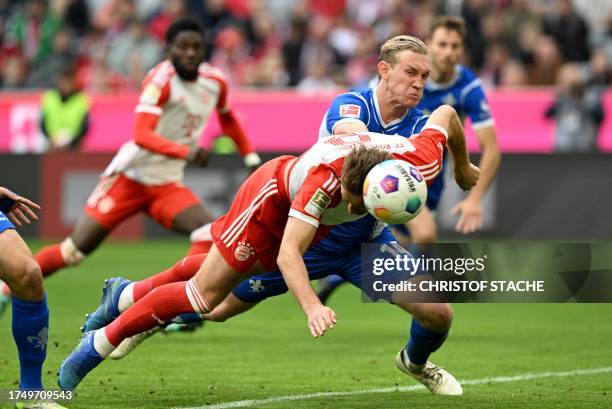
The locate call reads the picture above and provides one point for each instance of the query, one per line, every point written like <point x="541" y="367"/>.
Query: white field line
<point x="498" y="379"/>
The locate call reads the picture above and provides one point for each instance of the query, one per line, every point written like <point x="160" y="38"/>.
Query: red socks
<point x="161" y="304"/>
<point x="199" y="247"/>
<point x="50" y="259"/>
<point x="183" y="270"/>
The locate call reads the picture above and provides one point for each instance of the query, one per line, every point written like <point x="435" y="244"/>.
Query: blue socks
<point x="423" y="342"/>
<point x="30" y="331"/>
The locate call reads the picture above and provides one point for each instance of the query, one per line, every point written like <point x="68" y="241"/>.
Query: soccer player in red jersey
<point x="278" y="212"/>
<point x="178" y="96"/>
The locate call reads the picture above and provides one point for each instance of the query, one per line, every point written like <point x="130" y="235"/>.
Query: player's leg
<point x="112" y="201"/>
<point x="176" y="207"/>
<point x="429" y="328"/>
<point x="119" y="293"/>
<point x="201" y="294"/>
<point x="30" y="313"/>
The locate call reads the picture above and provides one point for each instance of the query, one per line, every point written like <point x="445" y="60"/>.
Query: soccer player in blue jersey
<point x="30" y="313"/>
<point x="390" y="108"/>
<point x="456" y="85"/>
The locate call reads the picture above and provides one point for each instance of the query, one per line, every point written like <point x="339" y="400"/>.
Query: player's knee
<point x="70" y="252"/>
<point x="438" y="317"/>
<point x="28" y="282"/>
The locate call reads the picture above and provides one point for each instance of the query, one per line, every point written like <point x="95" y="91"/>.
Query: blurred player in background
<point x="282" y="208"/>
<point x="177" y="99"/>
<point x="453" y="84"/>
<point x="30" y="313"/>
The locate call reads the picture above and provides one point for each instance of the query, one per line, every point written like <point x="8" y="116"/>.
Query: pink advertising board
<point x="284" y="121"/>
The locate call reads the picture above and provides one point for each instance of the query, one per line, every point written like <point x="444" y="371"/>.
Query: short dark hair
<point x="451" y="23"/>
<point x="357" y="164"/>
<point x="183" y="24"/>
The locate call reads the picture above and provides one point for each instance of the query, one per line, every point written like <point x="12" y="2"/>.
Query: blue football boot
<point x="108" y="309"/>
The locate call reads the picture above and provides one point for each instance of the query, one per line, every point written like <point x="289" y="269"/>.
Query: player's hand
<point x="20" y="209"/>
<point x="320" y="318"/>
<point x="198" y="157"/>
<point x="470" y="218"/>
<point x="252" y="161"/>
<point x="467" y="176"/>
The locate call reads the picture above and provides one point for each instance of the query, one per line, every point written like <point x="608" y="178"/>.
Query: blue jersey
<point x="5" y="223"/>
<point x="464" y="93"/>
<point x="353" y="106"/>
<point x="362" y="106"/>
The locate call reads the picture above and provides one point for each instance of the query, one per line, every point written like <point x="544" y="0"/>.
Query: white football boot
<point x="129" y="344"/>
<point x="436" y="379"/>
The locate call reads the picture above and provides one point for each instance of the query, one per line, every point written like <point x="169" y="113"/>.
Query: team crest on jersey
<point x="150" y="95"/>
<point x="106" y="204"/>
<point x="350" y="110"/>
<point x="318" y="203"/>
<point x="243" y="251"/>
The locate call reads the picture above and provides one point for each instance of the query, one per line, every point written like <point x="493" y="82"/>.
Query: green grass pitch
<point x="268" y="352"/>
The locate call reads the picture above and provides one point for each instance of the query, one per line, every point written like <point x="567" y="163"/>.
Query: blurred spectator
<point x="231" y="54"/>
<point x="513" y="75"/>
<point x="292" y="49"/>
<point x="14" y="72"/>
<point x="32" y="29"/>
<point x="76" y="17"/>
<point x="170" y="11"/>
<point x="569" y="30"/>
<point x="318" y="77"/>
<point x="65" y="112"/>
<point x="276" y="41"/>
<point x="133" y="52"/>
<point x="546" y="62"/>
<point x="44" y="74"/>
<point x="577" y="111"/>
<point x="473" y="12"/>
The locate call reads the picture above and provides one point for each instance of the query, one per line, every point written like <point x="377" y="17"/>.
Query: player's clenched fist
<point x="198" y="156"/>
<point x="467" y="176"/>
<point x="320" y="318"/>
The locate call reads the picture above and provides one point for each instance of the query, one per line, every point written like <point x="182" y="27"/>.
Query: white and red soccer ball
<point x="394" y="191"/>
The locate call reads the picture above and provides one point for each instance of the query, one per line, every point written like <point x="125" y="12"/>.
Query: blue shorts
<point x="319" y="263"/>
<point x="5" y="223"/>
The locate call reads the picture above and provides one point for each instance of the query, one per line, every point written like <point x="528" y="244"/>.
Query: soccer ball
<point x="394" y="191"/>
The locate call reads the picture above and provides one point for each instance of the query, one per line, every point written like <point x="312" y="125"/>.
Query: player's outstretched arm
<point x="17" y="208"/>
<point x="470" y="209"/>
<point x="466" y="174"/>
<point x="297" y="237"/>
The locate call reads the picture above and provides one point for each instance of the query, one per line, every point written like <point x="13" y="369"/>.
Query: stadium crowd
<point x="308" y="44"/>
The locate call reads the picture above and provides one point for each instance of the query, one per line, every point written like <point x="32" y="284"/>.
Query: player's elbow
<point x="285" y="257"/>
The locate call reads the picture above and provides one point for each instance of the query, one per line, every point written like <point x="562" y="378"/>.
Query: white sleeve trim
<point x="345" y="120"/>
<point x="148" y="109"/>
<point x="304" y="217"/>
<point x="437" y="128"/>
<point x="483" y="124"/>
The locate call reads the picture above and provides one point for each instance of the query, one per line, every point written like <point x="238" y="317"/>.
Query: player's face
<point x="446" y="48"/>
<point x="406" y="78"/>
<point x="355" y="202"/>
<point x="186" y="53"/>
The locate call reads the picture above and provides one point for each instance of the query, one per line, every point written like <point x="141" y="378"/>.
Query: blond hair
<point x="400" y="43"/>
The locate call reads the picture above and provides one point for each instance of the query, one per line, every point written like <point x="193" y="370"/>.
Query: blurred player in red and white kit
<point x="178" y="96"/>
<point x="278" y="212"/>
